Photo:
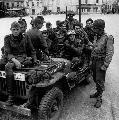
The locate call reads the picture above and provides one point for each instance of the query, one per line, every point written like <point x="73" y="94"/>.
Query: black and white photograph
<point x="59" y="59"/>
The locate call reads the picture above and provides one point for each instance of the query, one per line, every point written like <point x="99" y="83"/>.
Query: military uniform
<point x="15" y="47"/>
<point x="38" y="42"/>
<point x="101" y="56"/>
<point x="56" y="49"/>
<point x="102" y="53"/>
<point x="73" y="48"/>
<point x="90" y="33"/>
<point x="70" y="23"/>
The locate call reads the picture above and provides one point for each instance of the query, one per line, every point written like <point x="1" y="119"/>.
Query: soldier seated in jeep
<point x="73" y="49"/>
<point x="15" y="46"/>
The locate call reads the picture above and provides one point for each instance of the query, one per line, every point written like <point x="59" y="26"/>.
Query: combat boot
<point x="10" y="100"/>
<point x="98" y="102"/>
<point x="95" y="95"/>
<point x="10" y="87"/>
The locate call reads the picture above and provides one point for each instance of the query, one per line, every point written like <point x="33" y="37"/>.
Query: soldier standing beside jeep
<point x="102" y="53"/>
<point x="37" y="38"/>
<point x="15" y="46"/>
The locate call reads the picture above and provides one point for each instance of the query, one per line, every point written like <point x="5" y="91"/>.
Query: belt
<point x="98" y="58"/>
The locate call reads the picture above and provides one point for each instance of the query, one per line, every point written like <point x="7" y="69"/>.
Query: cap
<point x="15" y="25"/>
<point x="89" y="20"/>
<point x="37" y="21"/>
<point x="70" y="13"/>
<point x="41" y="18"/>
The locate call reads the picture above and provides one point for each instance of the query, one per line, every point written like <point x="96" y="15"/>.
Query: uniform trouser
<point x="10" y="77"/>
<point x="98" y="75"/>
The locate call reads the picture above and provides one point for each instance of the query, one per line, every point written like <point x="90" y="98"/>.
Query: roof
<point x="12" y="0"/>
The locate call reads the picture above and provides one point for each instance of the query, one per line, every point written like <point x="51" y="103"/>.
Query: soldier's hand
<point x="17" y="63"/>
<point x="103" y="67"/>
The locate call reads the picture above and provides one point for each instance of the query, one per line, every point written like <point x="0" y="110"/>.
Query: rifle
<point x="66" y="13"/>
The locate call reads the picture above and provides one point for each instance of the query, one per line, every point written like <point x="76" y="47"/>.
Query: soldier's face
<point x="23" y="28"/>
<point x="77" y="29"/>
<point x="39" y="26"/>
<point x="45" y="35"/>
<point x="89" y="24"/>
<point x="70" y="17"/>
<point x="72" y="38"/>
<point x="16" y="31"/>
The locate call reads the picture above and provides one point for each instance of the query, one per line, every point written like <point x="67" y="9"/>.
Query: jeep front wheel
<point x="51" y="105"/>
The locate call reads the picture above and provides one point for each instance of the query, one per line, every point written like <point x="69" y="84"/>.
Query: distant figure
<point x="70" y="21"/>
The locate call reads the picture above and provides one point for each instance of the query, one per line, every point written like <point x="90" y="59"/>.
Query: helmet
<point x="99" y="23"/>
<point x="15" y="24"/>
<point x="37" y="21"/>
<point x="70" y="13"/>
<point x="48" y="24"/>
<point x="71" y="32"/>
<point x="41" y="18"/>
<point x="58" y="22"/>
<point x="89" y="20"/>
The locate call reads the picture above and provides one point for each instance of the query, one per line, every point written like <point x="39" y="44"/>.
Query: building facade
<point x="88" y="6"/>
<point x="10" y="4"/>
<point x="32" y="7"/>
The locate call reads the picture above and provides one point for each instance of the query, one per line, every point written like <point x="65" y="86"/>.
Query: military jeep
<point x="50" y="79"/>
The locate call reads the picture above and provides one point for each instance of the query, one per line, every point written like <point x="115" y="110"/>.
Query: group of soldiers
<point x="24" y="48"/>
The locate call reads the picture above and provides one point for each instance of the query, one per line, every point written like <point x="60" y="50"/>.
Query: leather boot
<point x="95" y="95"/>
<point x="31" y="98"/>
<point x="10" y="87"/>
<point x="10" y="100"/>
<point x="98" y="102"/>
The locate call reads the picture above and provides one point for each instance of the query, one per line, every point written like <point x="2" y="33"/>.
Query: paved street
<point x="77" y="104"/>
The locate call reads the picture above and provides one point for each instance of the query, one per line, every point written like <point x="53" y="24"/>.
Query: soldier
<point x="50" y="32"/>
<point x="49" y="42"/>
<point x="83" y="37"/>
<point x="15" y="46"/>
<point x="89" y="29"/>
<point x="73" y="47"/>
<point x="70" y="21"/>
<point x="58" y="25"/>
<point x="56" y="49"/>
<point x="37" y="38"/>
<point x="23" y="25"/>
<point x="101" y="57"/>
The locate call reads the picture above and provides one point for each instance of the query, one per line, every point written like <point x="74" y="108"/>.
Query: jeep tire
<point x="51" y="105"/>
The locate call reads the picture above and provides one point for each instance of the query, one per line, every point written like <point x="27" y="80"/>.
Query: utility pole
<point x="79" y="10"/>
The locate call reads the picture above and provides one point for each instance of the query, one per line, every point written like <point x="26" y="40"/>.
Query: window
<point x="17" y="4"/>
<point x="12" y="5"/>
<point x="27" y="3"/>
<point x="37" y="3"/>
<point x="7" y="4"/>
<point x="32" y="3"/>
<point x="97" y="1"/>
